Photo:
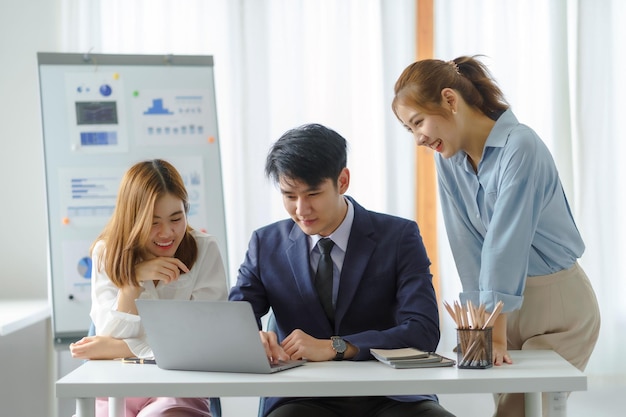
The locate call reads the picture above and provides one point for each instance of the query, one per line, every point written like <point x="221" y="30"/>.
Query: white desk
<point x="533" y="372"/>
<point x="18" y="314"/>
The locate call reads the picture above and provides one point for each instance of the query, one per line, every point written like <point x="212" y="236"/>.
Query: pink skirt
<point x="158" y="407"/>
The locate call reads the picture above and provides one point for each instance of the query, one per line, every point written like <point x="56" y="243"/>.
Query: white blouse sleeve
<point x="210" y="279"/>
<point x="106" y="319"/>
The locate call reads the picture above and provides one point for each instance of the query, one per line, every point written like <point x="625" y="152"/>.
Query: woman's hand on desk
<point x="99" y="347"/>
<point x="500" y="352"/>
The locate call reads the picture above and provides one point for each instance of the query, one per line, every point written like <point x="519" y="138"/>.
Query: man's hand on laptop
<point x="300" y="345"/>
<point x="273" y="350"/>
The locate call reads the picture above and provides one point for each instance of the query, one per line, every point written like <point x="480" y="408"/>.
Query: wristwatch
<point x="339" y="346"/>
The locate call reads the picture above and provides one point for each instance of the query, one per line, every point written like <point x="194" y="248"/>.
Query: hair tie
<point x="455" y="66"/>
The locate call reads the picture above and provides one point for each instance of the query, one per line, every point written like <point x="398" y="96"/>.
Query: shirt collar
<point x="499" y="134"/>
<point x="341" y="235"/>
<point x="497" y="138"/>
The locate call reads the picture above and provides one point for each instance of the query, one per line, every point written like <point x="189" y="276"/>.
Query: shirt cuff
<point x="121" y="325"/>
<point x="139" y="347"/>
<point x="491" y="298"/>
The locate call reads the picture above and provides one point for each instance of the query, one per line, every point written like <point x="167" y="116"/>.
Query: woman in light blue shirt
<point x="510" y="228"/>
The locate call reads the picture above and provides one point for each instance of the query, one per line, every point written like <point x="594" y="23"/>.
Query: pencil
<point x="141" y="361"/>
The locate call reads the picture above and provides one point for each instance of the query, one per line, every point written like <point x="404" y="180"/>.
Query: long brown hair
<point x="128" y="230"/>
<point x="420" y="84"/>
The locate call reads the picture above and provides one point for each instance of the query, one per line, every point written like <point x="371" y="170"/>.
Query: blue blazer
<point x="385" y="300"/>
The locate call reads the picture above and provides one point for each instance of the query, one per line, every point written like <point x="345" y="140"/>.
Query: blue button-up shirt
<point x="510" y="219"/>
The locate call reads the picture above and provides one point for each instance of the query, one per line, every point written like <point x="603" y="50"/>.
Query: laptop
<point x="217" y="336"/>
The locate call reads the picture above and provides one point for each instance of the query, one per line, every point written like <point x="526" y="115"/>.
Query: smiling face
<point x="431" y="130"/>
<point x="317" y="210"/>
<point x="169" y="224"/>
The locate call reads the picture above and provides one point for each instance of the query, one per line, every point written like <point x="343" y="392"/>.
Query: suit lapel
<point x="361" y="245"/>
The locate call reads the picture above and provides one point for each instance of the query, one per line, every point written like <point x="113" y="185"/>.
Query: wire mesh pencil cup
<point x="474" y="348"/>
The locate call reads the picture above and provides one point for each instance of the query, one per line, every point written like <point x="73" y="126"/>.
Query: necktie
<point x="324" y="277"/>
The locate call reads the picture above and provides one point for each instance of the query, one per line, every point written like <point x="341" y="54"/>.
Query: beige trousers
<point x="560" y="312"/>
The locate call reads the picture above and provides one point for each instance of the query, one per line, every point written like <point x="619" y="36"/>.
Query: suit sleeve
<point x="414" y="313"/>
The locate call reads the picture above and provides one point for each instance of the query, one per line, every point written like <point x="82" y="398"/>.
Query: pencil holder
<point x="474" y="348"/>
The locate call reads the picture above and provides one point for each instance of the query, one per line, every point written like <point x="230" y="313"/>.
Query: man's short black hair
<point x="310" y="153"/>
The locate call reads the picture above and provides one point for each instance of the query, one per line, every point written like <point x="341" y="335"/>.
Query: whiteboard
<point x="100" y="115"/>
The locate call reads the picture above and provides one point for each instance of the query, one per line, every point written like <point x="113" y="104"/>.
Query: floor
<point x="603" y="398"/>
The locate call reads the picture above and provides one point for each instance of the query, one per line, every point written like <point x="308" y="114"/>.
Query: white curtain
<point x="560" y="64"/>
<point x="278" y="64"/>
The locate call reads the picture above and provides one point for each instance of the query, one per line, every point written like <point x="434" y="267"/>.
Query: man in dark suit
<point x="379" y="293"/>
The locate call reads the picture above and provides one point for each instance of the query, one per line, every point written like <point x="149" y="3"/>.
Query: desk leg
<point x="116" y="407"/>
<point x="85" y="407"/>
<point x="532" y="403"/>
<point x="557" y="404"/>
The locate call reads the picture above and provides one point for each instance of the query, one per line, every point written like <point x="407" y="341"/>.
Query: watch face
<point x="339" y="345"/>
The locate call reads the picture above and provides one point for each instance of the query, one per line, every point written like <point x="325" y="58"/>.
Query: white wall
<point x="26" y="27"/>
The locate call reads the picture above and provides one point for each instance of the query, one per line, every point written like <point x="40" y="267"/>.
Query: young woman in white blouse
<point x="147" y="250"/>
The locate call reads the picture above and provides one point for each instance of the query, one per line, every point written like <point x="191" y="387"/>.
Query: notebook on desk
<point x="218" y="336"/>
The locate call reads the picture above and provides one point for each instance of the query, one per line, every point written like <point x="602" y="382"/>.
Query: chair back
<point x="271" y="327"/>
